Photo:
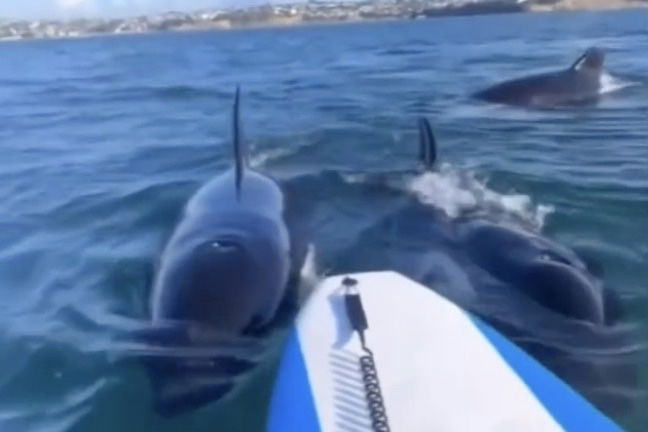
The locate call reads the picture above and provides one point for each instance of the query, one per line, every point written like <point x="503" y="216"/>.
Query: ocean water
<point x="104" y="139"/>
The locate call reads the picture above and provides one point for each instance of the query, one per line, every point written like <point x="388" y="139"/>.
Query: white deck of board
<point x="437" y="371"/>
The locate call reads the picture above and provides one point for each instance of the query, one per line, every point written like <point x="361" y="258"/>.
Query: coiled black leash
<point x="358" y="319"/>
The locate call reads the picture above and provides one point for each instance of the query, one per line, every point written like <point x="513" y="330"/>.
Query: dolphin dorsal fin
<point x="427" y="144"/>
<point x="240" y="149"/>
<point x="579" y="62"/>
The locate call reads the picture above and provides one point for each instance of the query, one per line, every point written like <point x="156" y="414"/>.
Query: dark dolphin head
<point x="225" y="268"/>
<point x="593" y="60"/>
<point x="231" y="276"/>
<point x="547" y="273"/>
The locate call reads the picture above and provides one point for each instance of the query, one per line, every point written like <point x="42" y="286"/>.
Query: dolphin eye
<point x="552" y="257"/>
<point x="222" y="244"/>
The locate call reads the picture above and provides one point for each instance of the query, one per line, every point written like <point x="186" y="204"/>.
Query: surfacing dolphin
<point x="542" y="295"/>
<point x="579" y="84"/>
<point x="228" y="271"/>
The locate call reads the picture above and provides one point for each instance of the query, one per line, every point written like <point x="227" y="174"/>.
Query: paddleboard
<point x="427" y="365"/>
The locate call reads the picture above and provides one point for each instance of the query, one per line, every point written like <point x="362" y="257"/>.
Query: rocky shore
<point x="290" y="14"/>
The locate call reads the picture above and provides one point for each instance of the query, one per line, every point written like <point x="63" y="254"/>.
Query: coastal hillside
<point x="291" y="14"/>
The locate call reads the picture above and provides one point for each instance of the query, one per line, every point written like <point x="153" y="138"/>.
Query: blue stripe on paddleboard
<point x="568" y="408"/>
<point x="292" y="407"/>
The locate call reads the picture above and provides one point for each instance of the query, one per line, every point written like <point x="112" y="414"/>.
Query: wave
<point x="398" y="51"/>
<point x="264" y="157"/>
<point x="61" y="416"/>
<point x="79" y="91"/>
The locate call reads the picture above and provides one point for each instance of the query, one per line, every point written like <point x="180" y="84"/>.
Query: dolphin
<point x="545" y="297"/>
<point x="578" y="84"/>
<point x="226" y="278"/>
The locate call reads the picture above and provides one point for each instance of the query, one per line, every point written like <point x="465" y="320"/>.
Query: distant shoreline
<point x="587" y="5"/>
<point x="291" y="15"/>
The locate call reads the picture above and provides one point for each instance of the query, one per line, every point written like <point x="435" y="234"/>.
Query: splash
<point x="261" y="158"/>
<point x="458" y="193"/>
<point x="611" y="84"/>
<point x="310" y="278"/>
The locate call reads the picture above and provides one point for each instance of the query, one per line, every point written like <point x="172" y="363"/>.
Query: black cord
<point x="373" y="395"/>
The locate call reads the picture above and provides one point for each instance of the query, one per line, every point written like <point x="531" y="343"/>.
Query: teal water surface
<point x="104" y="139"/>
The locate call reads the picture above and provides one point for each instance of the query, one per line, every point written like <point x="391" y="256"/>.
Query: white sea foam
<point x="261" y="158"/>
<point x="310" y="277"/>
<point x="457" y="192"/>
<point x="611" y="84"/>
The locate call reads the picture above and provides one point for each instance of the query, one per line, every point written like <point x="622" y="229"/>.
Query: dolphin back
<point x="227" y="267"/>
<point x="580" y="83"/>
